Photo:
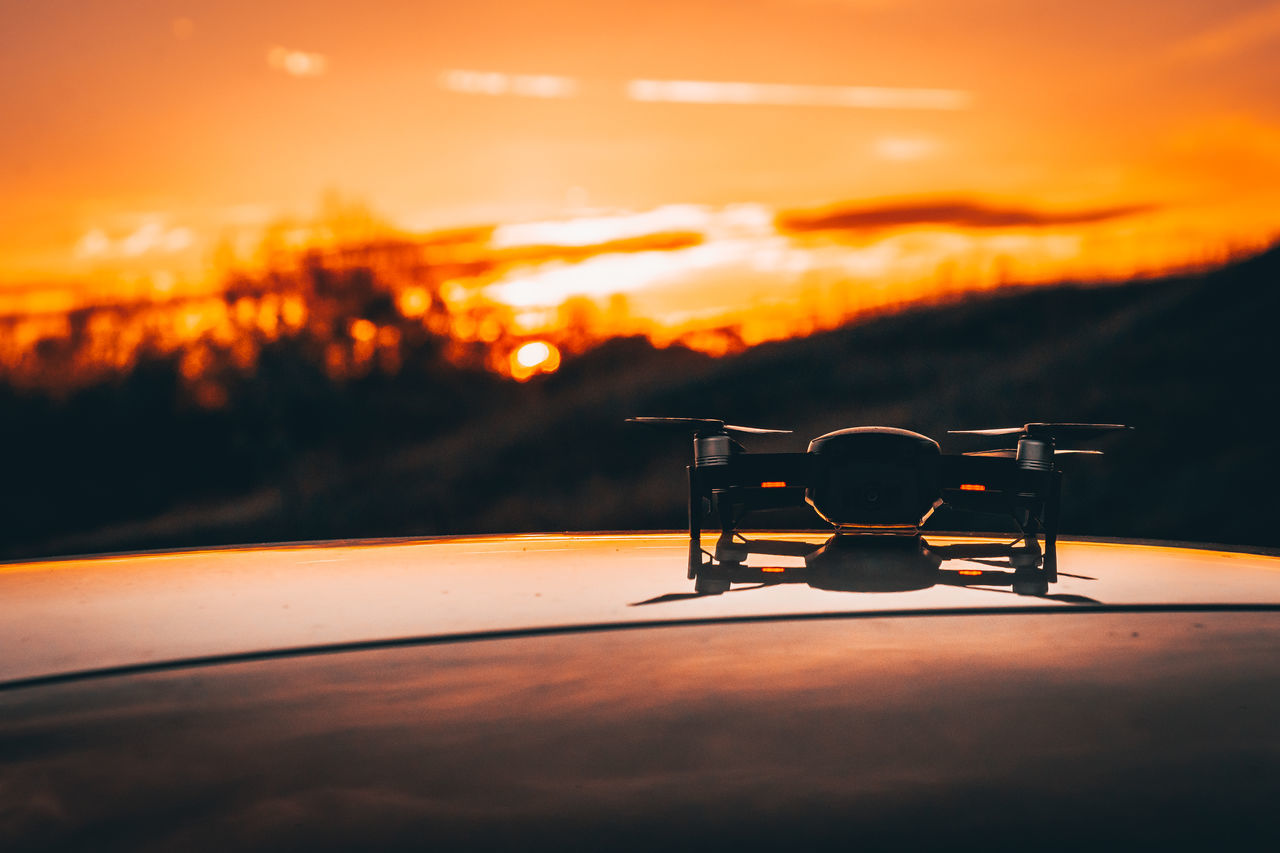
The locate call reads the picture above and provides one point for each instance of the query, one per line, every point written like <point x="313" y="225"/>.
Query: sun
<point x="532" y="358"/>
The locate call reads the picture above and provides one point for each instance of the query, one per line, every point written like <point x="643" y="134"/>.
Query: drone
<point x="881" y="481"/>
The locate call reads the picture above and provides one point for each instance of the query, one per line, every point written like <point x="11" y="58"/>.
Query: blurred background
<point x="277" y="270"/>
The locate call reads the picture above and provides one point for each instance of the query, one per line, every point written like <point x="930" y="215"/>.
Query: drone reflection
<point x="861" y="563"/>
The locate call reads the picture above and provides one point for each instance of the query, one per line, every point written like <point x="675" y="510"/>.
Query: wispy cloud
<point x="786" y="94"/>
<point x="499" y="83"/>
<point x="957" y="213"/>
<point x="150" y="236"/>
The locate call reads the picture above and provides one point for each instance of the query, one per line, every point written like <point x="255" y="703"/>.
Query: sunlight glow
<point x="904" y="148"/>
<point x="297" y="63"/>
<point x="363" y="330"/>
<point x="532" y="358"/>
<point x="151" y="236"/>
<point x="533" y="354"/>
<point x="590" y="230"/>
<point x="413" y="302"/>
<point x="93" y="243"/>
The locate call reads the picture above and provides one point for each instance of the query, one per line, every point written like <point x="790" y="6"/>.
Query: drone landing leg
<point x="724" y="511"/>
<point x="1029" y="526"/>
<point x="695" y="523"/>
<point x="1052" y="505"/>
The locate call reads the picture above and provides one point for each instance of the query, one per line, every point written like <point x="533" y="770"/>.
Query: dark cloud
<point x="960" y="212"/>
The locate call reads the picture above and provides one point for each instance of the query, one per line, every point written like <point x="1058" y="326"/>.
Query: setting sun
<point x="534" y="357"/>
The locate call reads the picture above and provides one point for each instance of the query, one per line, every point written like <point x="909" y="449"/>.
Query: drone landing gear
<point x="1033" y="555"/>
<point x="1035" y="569"/>
<point x="695" y="524"/>
<point x="700" y="504"/>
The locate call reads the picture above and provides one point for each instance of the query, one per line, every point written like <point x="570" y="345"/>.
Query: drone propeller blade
<point x="1069" y="432"/>
<point x="1000" y="431"/>
<point x="755" y="430"/>
<point x="1046" y="431"/>
<point x="1010" y="453"/>
<point x="701" y="425"/>
<point x="681" y="423"/>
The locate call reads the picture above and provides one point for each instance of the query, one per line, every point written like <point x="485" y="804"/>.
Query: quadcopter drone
<point x="874" y="480"/>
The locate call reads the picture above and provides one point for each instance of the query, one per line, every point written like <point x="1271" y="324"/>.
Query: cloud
<point x="955" y="212"/>
<point x="94" y="243"/>
<point x="595" y="230"/>
<point x="496" y="83"/>
<point x="499" y="83"/>
<point x="856" y="5"/>
<point x="297" y="63"/>
<point x="787" y="94"/>
<point x="151" y="236"/>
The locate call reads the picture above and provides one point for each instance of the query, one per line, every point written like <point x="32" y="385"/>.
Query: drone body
<point x="882" y="480"/>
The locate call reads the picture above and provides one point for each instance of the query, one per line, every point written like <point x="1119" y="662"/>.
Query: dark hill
<point x="1187" y="361"/>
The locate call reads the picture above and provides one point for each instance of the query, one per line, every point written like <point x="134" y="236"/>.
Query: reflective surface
<point x="1025" y="731"/>
<point x="79" y="614"/>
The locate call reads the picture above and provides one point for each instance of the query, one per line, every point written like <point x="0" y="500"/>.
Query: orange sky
<point x="141" y="135"/>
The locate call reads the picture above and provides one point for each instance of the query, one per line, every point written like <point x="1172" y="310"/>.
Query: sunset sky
<point x="143" y="135"/>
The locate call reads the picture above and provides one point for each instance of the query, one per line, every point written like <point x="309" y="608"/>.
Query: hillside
<point x="433" y="450"/>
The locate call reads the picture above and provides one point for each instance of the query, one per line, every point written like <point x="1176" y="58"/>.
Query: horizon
<point x="516" y="301"/>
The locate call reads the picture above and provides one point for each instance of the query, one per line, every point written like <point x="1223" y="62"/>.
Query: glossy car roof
<point x="111" y="611"/>
<point x="1068" y="729"/>
<point x="1133" y="708"/>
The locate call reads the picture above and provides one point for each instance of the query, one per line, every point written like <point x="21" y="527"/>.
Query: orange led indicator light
<point x="973" y="573"/>
<point x="772" y="569"/>
<point x="773" y="484"/>
<point x="972" y="487"/>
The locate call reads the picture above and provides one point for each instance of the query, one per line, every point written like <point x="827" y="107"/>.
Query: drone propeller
<point x="703" y="426"/>
<point x="1010" y="453"/>
<point x="1046" y="431"/>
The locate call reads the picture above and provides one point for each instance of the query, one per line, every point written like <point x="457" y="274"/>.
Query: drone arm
<point x="978" y="483"/>
<point x="756" y="480"/>
<point x="742" y="481"/>
<point x="763" y="470"/>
